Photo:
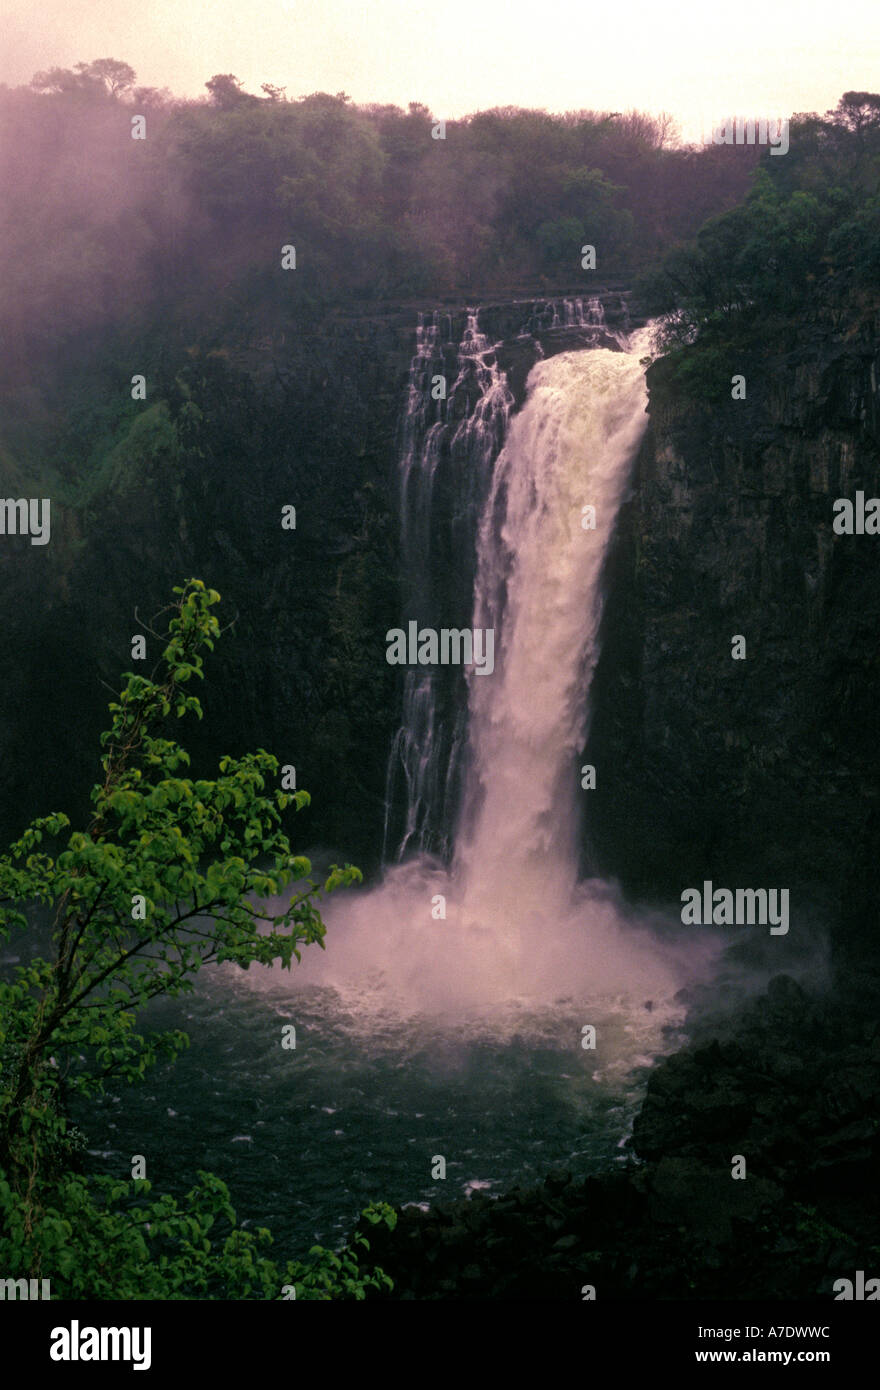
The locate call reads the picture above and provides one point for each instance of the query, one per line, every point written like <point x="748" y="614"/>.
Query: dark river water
<point x="358" y="1111"/>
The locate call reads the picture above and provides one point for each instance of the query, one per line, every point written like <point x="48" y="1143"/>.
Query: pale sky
<point x="700" y="59"/>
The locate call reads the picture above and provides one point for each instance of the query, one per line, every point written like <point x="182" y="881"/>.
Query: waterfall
<point x="483" y="914"/>
<point x="447" y="451"/>
<point x="540" y="560"/>
<point x="576" y="312"/>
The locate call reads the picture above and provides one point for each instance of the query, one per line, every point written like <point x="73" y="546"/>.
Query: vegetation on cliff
<point x="805" y="241"/>
<point x="188" y="223"/>
<point x="172" y="874"/>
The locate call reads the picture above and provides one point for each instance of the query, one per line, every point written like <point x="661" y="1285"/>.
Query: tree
<point x="103" y="75"/>
<point x="170" y="875"/>
<point x="227" y="92"/>
<point x="117" y="77"/>
<point x="668" y="132"/>
<point x="151" y="98"/>
<point x="58" y="81"/>
<point x="652" y="132"/>
<point x="858" y="111"/>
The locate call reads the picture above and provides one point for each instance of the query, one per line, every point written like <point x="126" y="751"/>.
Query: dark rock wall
<point x="763" y="771"/>
<point x="305" y="419"/>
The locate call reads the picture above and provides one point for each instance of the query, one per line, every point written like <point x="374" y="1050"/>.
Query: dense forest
<point x="113" y="244"/>
<point x="190" y="218"/>
<point x="807" y="235"/>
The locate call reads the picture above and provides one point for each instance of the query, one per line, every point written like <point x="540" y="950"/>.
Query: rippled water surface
<point x="357" y="1111"/>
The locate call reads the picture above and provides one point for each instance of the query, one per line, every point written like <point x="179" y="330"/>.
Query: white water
<point x="538" y="583"/>
<point x="521" y="935"/>
<point x="426" y="752"/>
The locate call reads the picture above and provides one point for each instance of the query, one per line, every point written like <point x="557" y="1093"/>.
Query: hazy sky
<point x="700" y="59"/>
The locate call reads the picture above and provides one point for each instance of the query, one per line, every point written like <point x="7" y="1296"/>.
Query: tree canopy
<point x="807" y="232"/>
<point x="103" y="230"/>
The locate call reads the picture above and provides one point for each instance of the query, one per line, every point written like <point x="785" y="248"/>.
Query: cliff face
<point x="195" y="486"/>
<point x="192" y="482"/>
<point x="762" y="771"/>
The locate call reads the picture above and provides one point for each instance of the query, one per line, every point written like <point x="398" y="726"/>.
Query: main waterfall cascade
<point x="448" y="448"/>
<point x="538" y="584"/>
<point x="500" y="922"/>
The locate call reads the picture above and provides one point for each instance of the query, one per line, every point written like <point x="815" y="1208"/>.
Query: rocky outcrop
<point x="761" y="771"/>
<point x="675" y="1223"/>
